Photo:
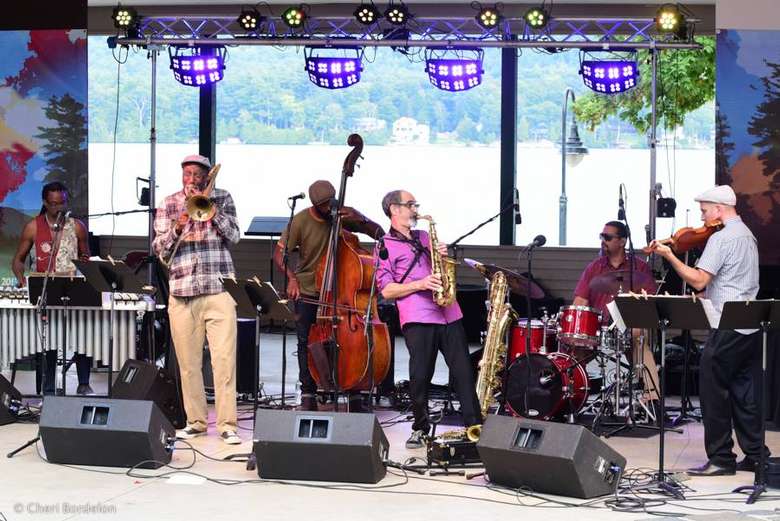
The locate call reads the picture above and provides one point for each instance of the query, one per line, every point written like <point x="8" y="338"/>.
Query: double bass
<point x="340" y="356"/>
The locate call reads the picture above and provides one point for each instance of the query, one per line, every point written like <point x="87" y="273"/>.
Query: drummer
<point x="615" y="266"/>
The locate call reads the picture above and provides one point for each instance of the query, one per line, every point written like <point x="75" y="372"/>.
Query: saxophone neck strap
<point x="415" y="244"/>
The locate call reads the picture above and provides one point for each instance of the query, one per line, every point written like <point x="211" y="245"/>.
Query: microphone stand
<point x="368" y="330"/>
<point x="528" y="333"/>
<point x="42" y="310"/>
<point x="285" y="263"/>
<point x="454" y="244"/>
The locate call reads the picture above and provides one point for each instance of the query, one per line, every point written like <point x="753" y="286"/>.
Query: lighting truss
<point x="428" y="32"/>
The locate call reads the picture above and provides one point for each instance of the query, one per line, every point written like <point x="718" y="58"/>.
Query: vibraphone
<point x="88" y="328"/>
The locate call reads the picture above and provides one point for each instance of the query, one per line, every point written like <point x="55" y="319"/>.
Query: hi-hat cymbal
<point x="614" y="282"/>
<point x="518" y="284"/>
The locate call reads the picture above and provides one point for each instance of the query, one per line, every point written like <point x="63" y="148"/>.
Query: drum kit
<point x="551" y="382"/>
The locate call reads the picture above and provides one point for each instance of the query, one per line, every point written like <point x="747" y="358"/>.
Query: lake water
<point x="457" y="185"/>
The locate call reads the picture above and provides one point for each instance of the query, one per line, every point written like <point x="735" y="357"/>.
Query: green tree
<point x="65" y="148"/>
<point x="686" y="81"/>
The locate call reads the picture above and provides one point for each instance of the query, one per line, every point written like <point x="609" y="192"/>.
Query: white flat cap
<point x="198" y="160"/>
<point x="722" y="194"/>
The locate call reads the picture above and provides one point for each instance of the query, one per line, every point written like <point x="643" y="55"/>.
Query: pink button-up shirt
<point x="417" y="307"/>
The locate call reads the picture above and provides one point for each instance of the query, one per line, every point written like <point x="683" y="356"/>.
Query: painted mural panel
<point x="43" y="126"/>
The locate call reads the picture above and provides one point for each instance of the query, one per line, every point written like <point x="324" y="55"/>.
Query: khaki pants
<point x="194" y="319"/>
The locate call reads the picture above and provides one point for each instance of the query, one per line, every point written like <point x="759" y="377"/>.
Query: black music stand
<point x="63" y="292"/>
<point x="763" y="315"/>
<point x="270" y="227"/>
<point x="109" y="277"/>
<point x="661" y="313"/>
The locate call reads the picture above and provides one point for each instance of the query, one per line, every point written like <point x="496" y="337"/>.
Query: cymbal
<point x="518" y="284"/>
<point x="613" y="282"/>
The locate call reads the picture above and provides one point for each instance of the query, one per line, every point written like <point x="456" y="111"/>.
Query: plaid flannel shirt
<point x="203" y="256"/>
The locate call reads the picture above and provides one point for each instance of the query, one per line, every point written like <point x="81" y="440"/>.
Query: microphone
<point x="516" y="204"/>
<point x="297" y="196"/>
<point x="382" y="249"/>
<point x="621" y="205"/>
<point x="539" y="240"/>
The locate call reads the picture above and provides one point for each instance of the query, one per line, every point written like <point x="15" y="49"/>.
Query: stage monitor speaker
<point x="547" y="457"/>
<point x="320" y="446"/>
<point x="105" y="432"/>
<point x="138" y="380"/>
<point x="10" y="401"/>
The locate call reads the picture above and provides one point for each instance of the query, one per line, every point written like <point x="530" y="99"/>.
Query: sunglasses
<point x="608" y="236"/>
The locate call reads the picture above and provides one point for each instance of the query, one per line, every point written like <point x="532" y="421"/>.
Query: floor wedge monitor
<point x="548" y="457"/>
<point x="320" y="446"/>
<point x="105" y="432"/>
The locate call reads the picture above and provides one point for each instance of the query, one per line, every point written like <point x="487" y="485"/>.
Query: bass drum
<point x="557" y="385"/>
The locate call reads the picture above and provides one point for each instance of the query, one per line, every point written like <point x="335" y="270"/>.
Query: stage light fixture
<point x="397" y="14"/>
<point x="294" y="16"/>
<point x="197" y="66"/>
<point x="537" y="17"/>
<point x="488" y="17"/>
<point x="454" y="71"/>
<point x="669" y="19"/>
<point x="610" y="76"/>
<point x="367" y="14"/>
<point x="123" y="17"/>
<point x="333" y="68"/>
<point x="250" y="20"/>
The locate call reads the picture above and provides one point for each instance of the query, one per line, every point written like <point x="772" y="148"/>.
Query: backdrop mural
<point x="43" y="126"/>
<point x="748" y="130"/>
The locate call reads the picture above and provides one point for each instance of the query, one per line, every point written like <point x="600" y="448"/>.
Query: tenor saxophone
<point x="444" y="267"/>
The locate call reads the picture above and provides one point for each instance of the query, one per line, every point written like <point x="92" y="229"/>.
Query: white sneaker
<point x="188" y="433"/>
<point x="230" y="437"/>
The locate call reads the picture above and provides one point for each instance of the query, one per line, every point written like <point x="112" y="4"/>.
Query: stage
<point x="212" y="489"/>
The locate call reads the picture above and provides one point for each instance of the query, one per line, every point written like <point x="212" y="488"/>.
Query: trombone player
<point x="197" y="255"/>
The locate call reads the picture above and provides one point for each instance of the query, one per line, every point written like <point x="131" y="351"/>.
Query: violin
<point x="688" y="238"/>
<point x="340" y="354"/>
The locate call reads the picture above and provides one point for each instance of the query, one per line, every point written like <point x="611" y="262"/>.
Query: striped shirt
<point x="203" y="257"/>
<point x="731" y="257"/>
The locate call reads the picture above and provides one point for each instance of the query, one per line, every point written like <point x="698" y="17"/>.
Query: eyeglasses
<point x="608" y="236"/>
<point x="412" y="205"/>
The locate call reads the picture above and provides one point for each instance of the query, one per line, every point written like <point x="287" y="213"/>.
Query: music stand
<point x="107" y="277"/>
<point x="764" y="315"/>
<point x="660" y="313"/>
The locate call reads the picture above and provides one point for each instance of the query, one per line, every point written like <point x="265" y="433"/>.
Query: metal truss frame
<point x="440" y="32"/>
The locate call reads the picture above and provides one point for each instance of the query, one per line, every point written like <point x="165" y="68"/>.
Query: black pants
<point x="83" y="367"/>
<point x="305" y="316"/>
<point x="728" y="390"/>
<point x="424" y="341"/>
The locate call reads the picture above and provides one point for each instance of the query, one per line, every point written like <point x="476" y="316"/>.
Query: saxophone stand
<point x="748" y="315"/>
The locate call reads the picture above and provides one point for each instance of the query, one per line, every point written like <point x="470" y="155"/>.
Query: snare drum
<point x="542" y="339"/>
<point x="579" y="326"/>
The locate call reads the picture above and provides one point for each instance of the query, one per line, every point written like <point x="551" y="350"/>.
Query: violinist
<point x="613" y="259"/>
<point x="728" y="269"/>
<point x="308" y="232"/>
<point x="405" y="275"/>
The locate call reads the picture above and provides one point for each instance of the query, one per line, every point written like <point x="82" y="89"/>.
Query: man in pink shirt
<point x="404" y="274"/>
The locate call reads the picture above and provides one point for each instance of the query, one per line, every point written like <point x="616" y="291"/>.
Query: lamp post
<point x="572" y="152"/>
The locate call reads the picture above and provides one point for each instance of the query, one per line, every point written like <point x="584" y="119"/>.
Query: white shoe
<point x="230" y="437"/>
<point x="188" y="433"/>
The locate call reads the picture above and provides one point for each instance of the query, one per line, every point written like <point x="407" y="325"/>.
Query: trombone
<point x="199" y="208"/>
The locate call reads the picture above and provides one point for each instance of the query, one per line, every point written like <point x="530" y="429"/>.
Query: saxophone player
<point x="404" y="273"/>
